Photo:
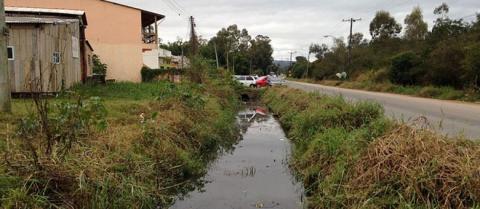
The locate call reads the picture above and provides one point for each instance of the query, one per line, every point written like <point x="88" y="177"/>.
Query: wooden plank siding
<point x="34" y="45"/>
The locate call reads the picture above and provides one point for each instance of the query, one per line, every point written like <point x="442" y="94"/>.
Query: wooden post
<point x="156" y="30"/>
<point x="5" y="94"/>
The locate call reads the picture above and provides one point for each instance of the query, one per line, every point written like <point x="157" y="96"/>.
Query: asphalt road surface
<point x="447" y="117"/>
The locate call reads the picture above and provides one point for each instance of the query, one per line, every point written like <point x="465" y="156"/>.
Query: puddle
<point x="254" y="175"/>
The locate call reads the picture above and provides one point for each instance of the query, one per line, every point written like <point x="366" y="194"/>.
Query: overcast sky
<point x="292" y="25"/>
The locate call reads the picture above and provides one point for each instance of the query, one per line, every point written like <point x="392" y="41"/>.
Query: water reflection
<point x="255" y="174"/>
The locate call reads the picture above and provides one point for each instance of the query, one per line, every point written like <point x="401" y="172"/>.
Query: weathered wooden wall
<point x="35" y="45"/>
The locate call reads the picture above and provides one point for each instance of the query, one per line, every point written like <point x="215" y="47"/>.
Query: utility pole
<point x="308" y="63"/>
<point x="233" y="64"/>
<point x="193" y="37"/>
<point x="291" y="58"/>
<point x="5" y="94"/>
<point x="351" y="20"/>
<point x="291" y="62"/>
<point x="182" y="57"/>
<point x="216" y="54"/>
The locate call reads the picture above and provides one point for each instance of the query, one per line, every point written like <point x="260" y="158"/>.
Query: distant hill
<point x="282" y="64"/>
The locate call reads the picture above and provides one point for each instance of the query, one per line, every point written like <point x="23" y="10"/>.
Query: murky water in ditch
<point x="254" y="175"/>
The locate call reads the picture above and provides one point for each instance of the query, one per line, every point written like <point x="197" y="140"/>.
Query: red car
<point x="263" y="82"/>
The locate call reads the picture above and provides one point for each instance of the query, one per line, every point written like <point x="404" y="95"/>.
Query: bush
<point x="98" y="66"/>
<point x="445" y="65"/>
<point x="149" y="75"/>
<point x="404" y="69"/>
<point x="471" y="64"/>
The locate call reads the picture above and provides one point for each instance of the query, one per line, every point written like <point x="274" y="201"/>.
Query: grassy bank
<point x="444" y="93"/>
<point x="351" y="156"/>
<point x="123" y="145"/>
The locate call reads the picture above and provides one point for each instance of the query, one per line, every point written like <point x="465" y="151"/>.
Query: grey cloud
<point x="292" y="25"/>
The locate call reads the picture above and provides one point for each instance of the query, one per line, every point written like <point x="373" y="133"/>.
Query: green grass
<point x="443" y="92"/>
<point x="350" y="156"/>
<point x="123" y="90"/>
<point x="137" y="162"/>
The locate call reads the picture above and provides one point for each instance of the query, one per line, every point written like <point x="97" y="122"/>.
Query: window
<point x="56" y="58"/>
<point x="89" y="60"/>
<point x="11" y="53"/>
<point x="249" y="78"/>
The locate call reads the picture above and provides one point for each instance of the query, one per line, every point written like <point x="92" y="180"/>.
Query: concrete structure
<point x="157" y="58"/>
<point x="118" y="33"/>
<point x="163" y="59"/>
<point x="45" y="49"/>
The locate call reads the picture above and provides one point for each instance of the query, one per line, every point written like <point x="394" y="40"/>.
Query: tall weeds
<point x="153" y="144"/>
<point x="351" y="156"/>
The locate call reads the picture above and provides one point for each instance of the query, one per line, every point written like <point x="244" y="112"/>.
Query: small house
<point x="46" y="48"/>
<point x="118" y="33"/>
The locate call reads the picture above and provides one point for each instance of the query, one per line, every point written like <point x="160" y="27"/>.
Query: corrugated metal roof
<point x="43" y="10"/>
<point x="44" y="20"/>
<point x="48" y="11"/>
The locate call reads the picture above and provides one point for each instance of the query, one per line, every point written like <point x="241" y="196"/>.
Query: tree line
<point x="236" y="49"/>
<point x="446" y="55"/>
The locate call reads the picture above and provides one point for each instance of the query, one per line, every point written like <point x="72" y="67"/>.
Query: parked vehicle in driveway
<point x="263" y="82"/>
<point x="246" y="80"/>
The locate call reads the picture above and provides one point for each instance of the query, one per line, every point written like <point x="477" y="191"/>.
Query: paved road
<point x="449" y="117"/>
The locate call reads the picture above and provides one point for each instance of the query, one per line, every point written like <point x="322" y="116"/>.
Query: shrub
<point x="445" y="65"/>
<point x="98" y="66"/>
<point x="404" y="69"/>
<point x="472" y="66"/>
<point x="198" y="70"/>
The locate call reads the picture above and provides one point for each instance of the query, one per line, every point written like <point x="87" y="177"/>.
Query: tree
<point x="177" y="48"/>
<point x="442" y="10"/>
<point x="318" y="50"/>
<point x="404" y="69"/>
<point x="416" y="28"/>
<point x="445" y="64"/>
<point x="445" y="27"/>
<point x="471" y="64"/>
<point x="261" y="53"/>
<point x="384" y="26"/>
<point x="357" y="40"/>
<point x="300" y="67"/>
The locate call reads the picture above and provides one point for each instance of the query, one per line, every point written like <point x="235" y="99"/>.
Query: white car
<point x="276" y="81"/>
<point x="246" y="80"/>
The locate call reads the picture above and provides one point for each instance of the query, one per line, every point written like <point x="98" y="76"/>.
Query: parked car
<point x="246" y="80"/>
<point x="263" y="82"/>
<point x="276" y="81"/>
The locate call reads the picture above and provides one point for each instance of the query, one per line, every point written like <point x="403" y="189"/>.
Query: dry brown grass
<point x="421" y="167"/>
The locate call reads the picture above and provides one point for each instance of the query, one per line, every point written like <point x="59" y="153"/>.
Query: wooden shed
<point x="46" y="49"/>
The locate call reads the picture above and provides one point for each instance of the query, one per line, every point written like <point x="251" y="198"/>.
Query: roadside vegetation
<point x="238" y="51"/>
<point x="348" y="155"/>
<point x="120" y="145"/>
<point x="438" y="63"/>
<point x="369" y="82"/>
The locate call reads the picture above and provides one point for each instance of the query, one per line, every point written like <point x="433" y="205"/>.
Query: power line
<point x="181" y="7"/>
<point x="471" y="15"/>
<point x="173" y="7"/>
<point x="350" y="38"/>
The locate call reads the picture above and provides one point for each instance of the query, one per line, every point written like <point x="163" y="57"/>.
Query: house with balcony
<point x="120" y="34"/>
